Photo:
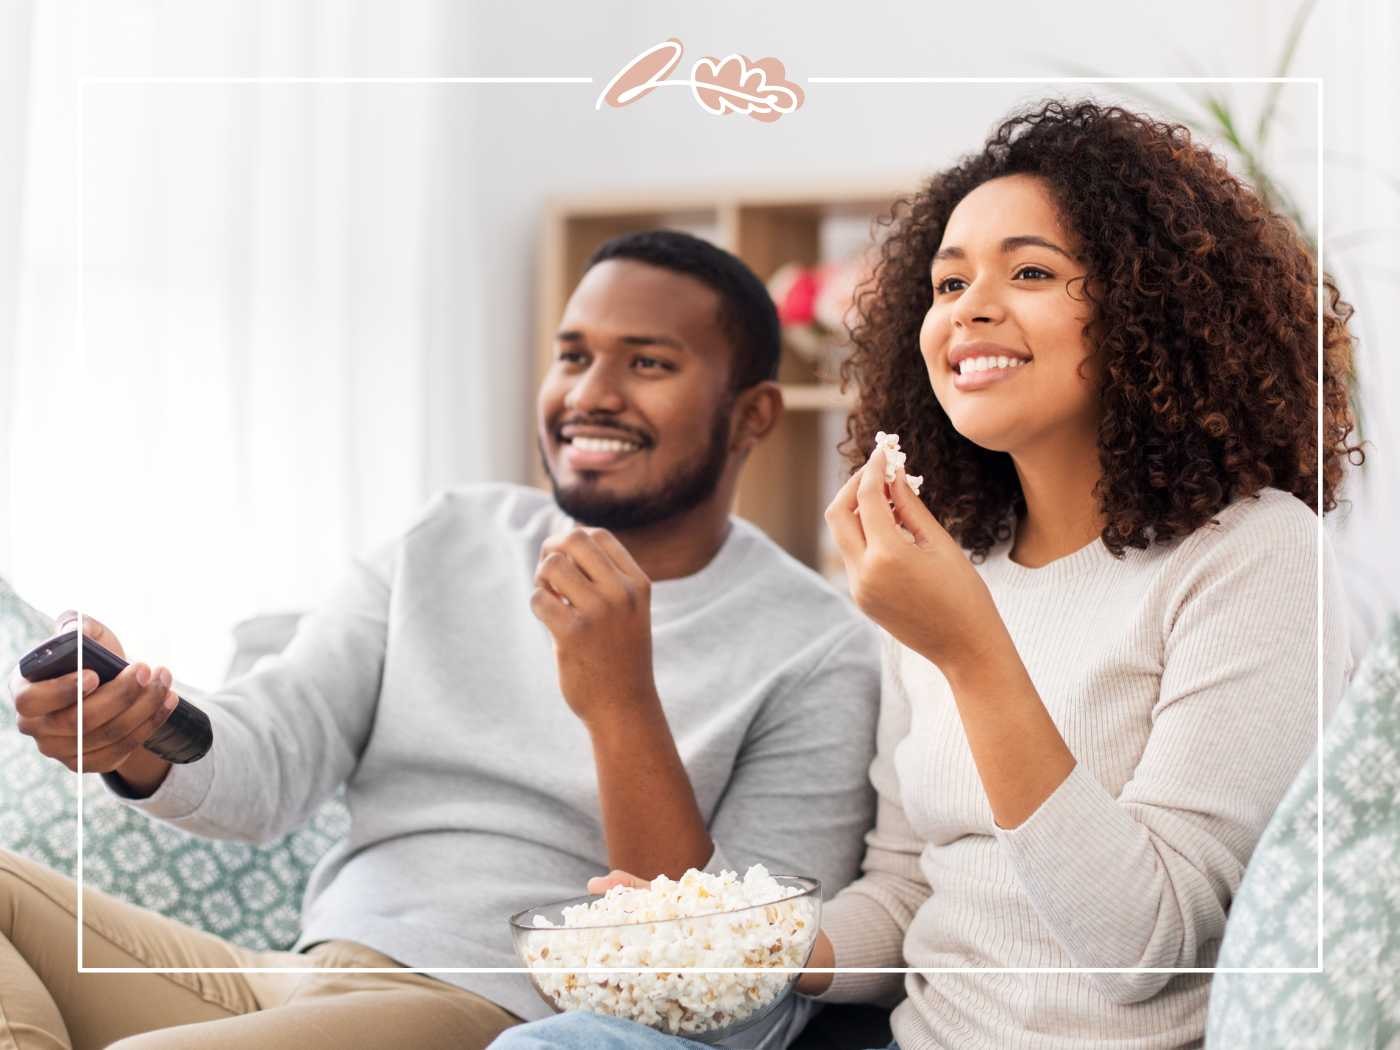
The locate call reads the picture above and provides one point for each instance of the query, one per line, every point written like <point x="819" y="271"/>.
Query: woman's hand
<point x="824" y="956"/>
<point x="908" y="575"/>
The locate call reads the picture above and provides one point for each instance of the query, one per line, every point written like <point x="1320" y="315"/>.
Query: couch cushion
<point x="250" y="895"/>
<point x="1273" y="922"/>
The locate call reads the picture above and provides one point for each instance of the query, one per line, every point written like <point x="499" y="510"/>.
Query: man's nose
<point x="597" y="390"/>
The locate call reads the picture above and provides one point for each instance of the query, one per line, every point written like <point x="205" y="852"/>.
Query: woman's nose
<point x="977" y="303"/>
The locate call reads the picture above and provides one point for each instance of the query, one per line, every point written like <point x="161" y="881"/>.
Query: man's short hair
<point x="747" y="315"/>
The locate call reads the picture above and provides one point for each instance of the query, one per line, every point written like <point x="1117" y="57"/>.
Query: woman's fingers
<point x="842" y="520"/>
<point x="910" y="511"/>
<point x="875" y="516"/>
<point x="600" y="884"/>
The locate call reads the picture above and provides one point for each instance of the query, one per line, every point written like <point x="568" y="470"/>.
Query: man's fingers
<point x="620" y="556"/>
<point x="563" y="576"/>
<point x="111" y="744"/>
<point x="34" y="699"/>
<point x="93" y="628"/>
<point x="133" y="727"/>
<point x="104" y="723"/>
<point x="595" y="563"/>
<point x="51" y="707"/>
<point x="549" y="608"/>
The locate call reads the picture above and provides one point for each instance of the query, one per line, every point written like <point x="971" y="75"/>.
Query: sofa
<point x="252" y="894"/>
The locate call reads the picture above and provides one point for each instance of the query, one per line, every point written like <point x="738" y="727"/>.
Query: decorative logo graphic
<point x="734" y="84"/>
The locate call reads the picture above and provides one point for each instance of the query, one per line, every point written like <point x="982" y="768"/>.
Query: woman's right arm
<point x="864" y="924"/>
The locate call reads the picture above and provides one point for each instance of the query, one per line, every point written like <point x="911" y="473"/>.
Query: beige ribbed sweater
<point x="1184" y="680"/>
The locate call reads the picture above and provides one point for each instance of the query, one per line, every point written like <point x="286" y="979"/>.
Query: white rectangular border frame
<point x="81" y="338"/>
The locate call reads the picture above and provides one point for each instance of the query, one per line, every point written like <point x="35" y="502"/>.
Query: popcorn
<point x="894" y="459"/>
<point x="700" y="921"/>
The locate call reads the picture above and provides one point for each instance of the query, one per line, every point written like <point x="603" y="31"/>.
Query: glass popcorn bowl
<point x="655" y="991"/>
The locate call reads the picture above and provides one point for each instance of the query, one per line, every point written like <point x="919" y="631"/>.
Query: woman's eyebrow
<point x="1008" y="244"/>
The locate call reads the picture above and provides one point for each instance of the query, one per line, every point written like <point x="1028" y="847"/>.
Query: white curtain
<point x="1356" y="48"/>
<point x="241" y="385"/>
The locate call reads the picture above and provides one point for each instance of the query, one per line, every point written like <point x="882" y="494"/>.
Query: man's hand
<point x="118" y="718"/>
<point x="596" y="602"/>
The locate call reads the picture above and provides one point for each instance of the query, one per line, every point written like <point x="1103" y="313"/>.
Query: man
<point x="709" y="703"/>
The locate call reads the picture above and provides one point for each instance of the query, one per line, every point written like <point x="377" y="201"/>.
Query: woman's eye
<point x="952" y="284"/>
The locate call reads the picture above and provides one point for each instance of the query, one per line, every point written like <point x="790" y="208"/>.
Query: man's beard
<point x="689" y="485"/>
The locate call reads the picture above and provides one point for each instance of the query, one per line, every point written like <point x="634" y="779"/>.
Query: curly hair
<point x="1204" y="323"/>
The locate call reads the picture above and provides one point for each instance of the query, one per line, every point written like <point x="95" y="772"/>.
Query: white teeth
<point x="590" y="444"/>
<point x="970" y="365"/>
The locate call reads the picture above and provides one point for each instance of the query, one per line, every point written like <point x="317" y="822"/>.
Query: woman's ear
<point x="757" y="410"/>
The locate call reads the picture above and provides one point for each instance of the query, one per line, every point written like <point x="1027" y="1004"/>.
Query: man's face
<point x="634" y="413"/>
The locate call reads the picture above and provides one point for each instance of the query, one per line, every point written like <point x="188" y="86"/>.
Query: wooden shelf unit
<point x="791" y="476"/>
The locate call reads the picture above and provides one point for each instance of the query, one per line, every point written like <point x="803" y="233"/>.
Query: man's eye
<point x="571" y="357"/>
<point x="651" y="364"/>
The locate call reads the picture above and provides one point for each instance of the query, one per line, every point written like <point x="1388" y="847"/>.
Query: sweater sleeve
<point x="1146" y="879"/>
<point x="289" y="733"/>
<point x="867" y="921"/>
<point x="798" y="800"/>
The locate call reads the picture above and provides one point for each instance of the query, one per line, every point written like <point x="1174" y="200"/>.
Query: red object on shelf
<point x="795" y="307"/>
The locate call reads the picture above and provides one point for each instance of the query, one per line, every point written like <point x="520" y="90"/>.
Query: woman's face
<point x="1002" y="297"/>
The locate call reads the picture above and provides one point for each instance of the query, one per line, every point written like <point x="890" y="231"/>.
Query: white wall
<point x="512" y="147"/>
<point x="528" y="143"/>
<point x="1356" y="49"/>
<point x="504" y="150"/>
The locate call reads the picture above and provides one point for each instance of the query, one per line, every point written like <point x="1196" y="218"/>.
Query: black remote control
<point x="186" y="735"/>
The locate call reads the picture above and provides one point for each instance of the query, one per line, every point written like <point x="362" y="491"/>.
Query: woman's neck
<point x="1062" y="513"/>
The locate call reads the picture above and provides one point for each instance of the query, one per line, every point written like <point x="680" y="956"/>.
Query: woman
<point x="1101" y="614"/>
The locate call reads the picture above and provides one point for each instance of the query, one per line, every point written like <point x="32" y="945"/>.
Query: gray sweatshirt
<point x="427" y="688"/>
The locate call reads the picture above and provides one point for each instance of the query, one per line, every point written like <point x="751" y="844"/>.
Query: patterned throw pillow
<point x="247" y="894"/>
<point x="1355" y="1002"/>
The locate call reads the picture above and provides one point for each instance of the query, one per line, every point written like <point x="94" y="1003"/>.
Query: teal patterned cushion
<point x="1355" y="1002"/>
<point x="248" y="894"/>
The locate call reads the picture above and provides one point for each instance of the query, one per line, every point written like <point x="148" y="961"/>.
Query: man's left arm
<point x="596" y="603"/>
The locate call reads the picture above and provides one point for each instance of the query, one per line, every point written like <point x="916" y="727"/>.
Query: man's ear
<point x="757" y="410"/>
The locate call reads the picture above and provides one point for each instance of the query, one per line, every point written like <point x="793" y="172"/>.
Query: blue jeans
<point x="585" y="1031"/>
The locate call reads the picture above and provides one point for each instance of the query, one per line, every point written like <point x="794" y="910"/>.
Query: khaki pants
<point x="45" y="1004"/>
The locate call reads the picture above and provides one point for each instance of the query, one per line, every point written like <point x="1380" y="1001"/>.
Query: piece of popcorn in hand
<point x="894" y="460"/>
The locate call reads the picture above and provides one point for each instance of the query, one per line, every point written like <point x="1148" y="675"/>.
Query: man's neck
<point x="679" y="546"/>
